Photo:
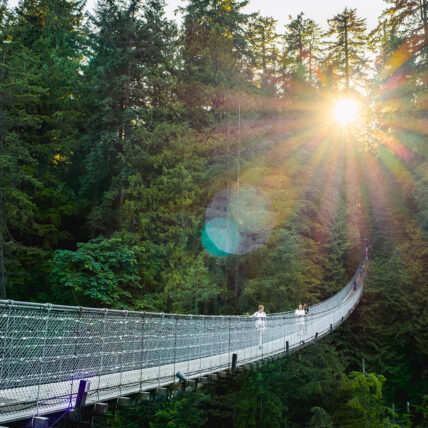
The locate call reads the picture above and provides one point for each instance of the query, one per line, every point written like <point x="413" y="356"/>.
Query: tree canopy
<point x="203" y="167"/>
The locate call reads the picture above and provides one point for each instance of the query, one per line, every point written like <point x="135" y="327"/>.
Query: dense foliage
<point x="122" y="133"/>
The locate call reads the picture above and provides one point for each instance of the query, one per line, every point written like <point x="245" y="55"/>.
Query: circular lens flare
<point x="221" y="237"/>
<point x="237" y="221"/>
<point x="345" y="111"/>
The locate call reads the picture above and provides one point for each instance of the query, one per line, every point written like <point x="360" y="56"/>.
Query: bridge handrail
<point x="45" y="349"/>
<point x="80" y="309"/>
<point x="332" y="301"/>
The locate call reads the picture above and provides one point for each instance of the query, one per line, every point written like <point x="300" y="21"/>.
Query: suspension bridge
<point x="47" y="349"/>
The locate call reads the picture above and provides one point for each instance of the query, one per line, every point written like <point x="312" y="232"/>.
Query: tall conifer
<point x="346" y="52"/>
<point x="40" y="132"/>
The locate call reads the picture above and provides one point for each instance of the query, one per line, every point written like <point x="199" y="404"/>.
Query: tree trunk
<point x="264" y="55"/>
<point x="425" y="24"/>
<point x="346" y="55"/>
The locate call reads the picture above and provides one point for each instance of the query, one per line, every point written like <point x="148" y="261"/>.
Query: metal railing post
<point x="6" y="332"/>
<point x="142" y="349"/>
<point x="41" y="360"/>
<point x="122" y="352"/>
<point x="175" y="346"/>
<point x="202" y="330"/>
<point x="100" y="372"/>
<point x="191" y="341"/>
<point x="229" y="361"/>
<point x="160" y="357"/>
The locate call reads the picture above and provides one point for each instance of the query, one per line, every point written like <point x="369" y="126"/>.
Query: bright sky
<point x="318" y="10"/>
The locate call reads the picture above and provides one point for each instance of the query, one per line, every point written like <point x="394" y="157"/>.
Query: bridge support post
<point x="204" y="380"/>
<point x="40" y="422"/>
<point x="76" y="414"/>
<point x="123" y="402"/>
<point x="100" y="409"/>
<point x="190" y="385"/>
<point x="143" y="396"/>
<point x="82" y="393"/>
<point x="161" y="393"/>
<point x="234" y="360"/>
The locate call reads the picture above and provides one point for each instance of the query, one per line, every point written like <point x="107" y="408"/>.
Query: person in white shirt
<point x="300" y="314"/>
<point x="260" y="322"/>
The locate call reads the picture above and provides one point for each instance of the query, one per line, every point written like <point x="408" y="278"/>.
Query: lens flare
<point x="250" y="210"/>
<point x="221" y="237"/>
<point x="237" y="222"/>
<point x="345" y="111"/>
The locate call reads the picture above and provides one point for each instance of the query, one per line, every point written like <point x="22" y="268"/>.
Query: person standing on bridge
<point x="300" y="311"/>
<point x="300" y="314"/>
<point x="260" y="323"/>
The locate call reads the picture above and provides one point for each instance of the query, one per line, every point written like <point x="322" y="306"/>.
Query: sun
<point x="345" y="111"/>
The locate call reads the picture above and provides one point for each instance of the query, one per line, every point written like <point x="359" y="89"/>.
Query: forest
<point x="125" y="137"/>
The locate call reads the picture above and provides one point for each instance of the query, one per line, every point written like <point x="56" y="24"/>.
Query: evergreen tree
<point x="3" y="26"/>
<point x="191" y="291"/>
<point x="214" y="48"/>
<point x="162" y="205"/>
<point x="409" y="17"/>
<point x="262" y="41"/>
<point x="320" y="418"/>
<point x="365" y="403"/>
<point x="346" y="53"/>
<point x="101" y="273"/>
<point x="302" y="47"/>
<point x="40" y="133"/>
<point x="129" y="84"/>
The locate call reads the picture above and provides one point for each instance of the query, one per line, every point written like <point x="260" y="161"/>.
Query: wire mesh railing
<point x="46" y="349"/>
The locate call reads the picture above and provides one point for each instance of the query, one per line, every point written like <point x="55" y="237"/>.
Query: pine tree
<point x="3" y="23"/>
<point x="130" y="81"/>
<point x="214" y="49"/>
<point x="346" y="53"/>
<point x="41" y="122"/>
<point x="411" y="18"/>
<point x="302" y="47"/>
<point x="262" y="39"/>
<point x="365" y="400"/>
